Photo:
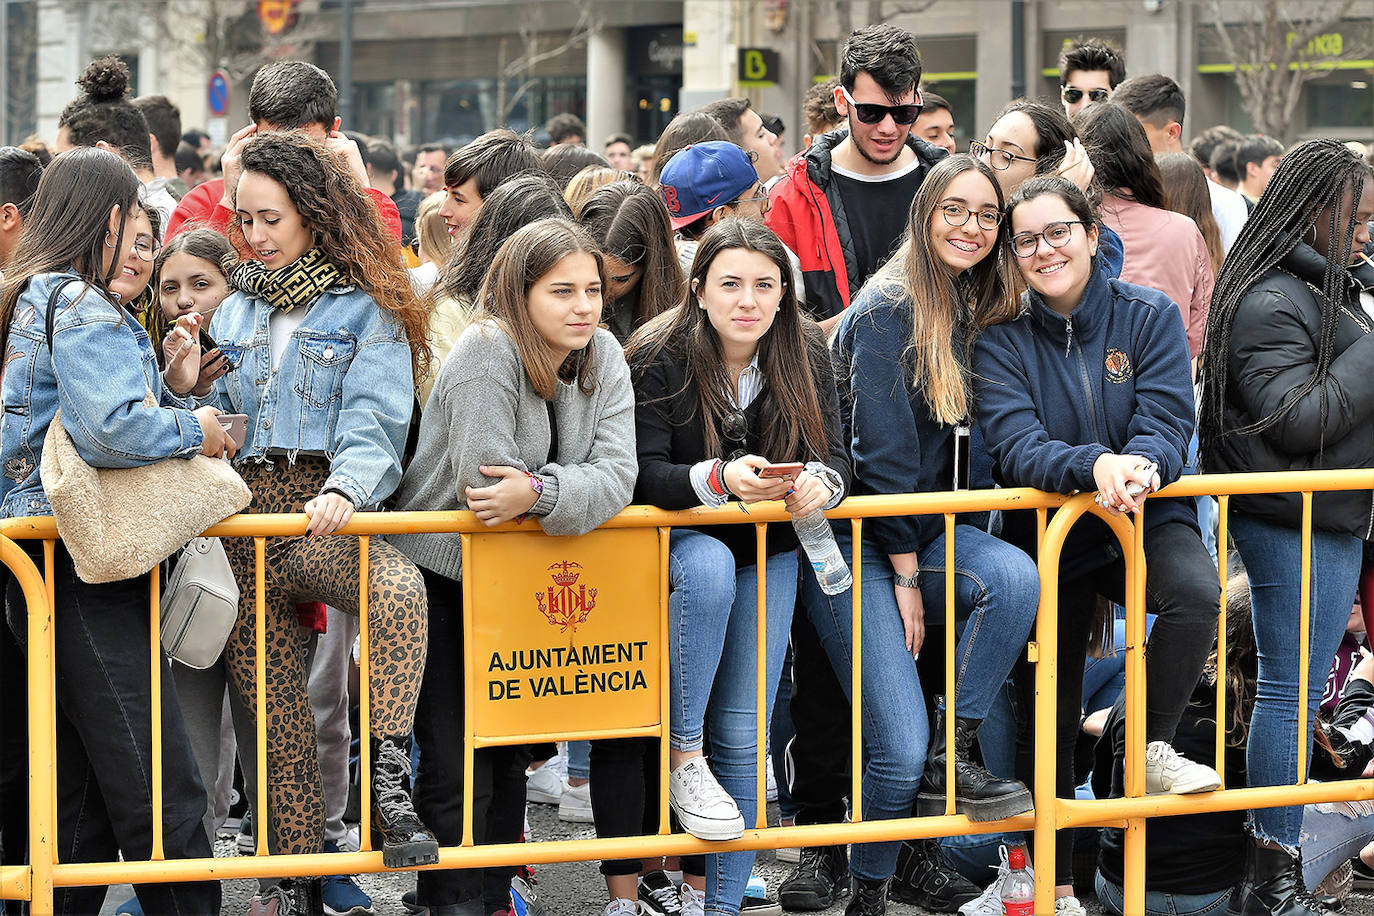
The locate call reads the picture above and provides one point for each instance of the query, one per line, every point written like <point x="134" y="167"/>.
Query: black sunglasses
<point x="874" y="114"/>
<point x="1073" y="96"/>
<point x="735" y="427"/>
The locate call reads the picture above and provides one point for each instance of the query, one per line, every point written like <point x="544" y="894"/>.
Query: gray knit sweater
<point x="484" y="411"/>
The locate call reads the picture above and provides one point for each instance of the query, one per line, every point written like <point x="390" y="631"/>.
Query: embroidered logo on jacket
<point x="1118" y="366"/>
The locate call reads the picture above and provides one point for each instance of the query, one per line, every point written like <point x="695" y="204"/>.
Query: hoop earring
<point x="107" y="240"/>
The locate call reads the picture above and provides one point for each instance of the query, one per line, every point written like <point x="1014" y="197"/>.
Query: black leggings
<point x="1182" y="588"/>
<point x="625" y="770"/>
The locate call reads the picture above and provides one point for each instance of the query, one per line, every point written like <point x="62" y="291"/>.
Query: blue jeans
<point x="579" y="759"/>
<point x="996" y="592"/>
<point x="1330" y="838"/>
<point x="1272" y="555"/>
<point x="712" y="654"/>
<point x="1158" y="903"/>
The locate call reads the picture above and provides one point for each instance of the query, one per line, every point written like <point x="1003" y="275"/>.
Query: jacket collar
<point x="1307" y="265"/>
<point x="817" y="160"/>
<point x="1091" y="311"/>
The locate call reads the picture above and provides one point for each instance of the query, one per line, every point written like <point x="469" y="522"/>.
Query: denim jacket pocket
<point x="323" y="363"/>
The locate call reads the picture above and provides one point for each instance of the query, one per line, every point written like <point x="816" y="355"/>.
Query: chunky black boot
<point x="819" y="879"/>
<point x="924" y="878"/>
<point x="977" y="793"/>
<point x="289" y="897"/>
<point x="867" y="898"/>
<point x="405" y="840"/>
<point x="1273" y="885"/>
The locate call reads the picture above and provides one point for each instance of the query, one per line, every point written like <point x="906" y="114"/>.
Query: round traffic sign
<point x="219" y="94"/>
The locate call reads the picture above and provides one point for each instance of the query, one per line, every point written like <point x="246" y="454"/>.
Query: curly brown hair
<point x="347" y="226"/>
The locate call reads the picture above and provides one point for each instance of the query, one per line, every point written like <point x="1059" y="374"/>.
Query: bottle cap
<point x="1016" y="858"/>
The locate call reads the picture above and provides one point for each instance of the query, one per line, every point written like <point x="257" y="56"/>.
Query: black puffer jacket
<point x="1272" y="352"/>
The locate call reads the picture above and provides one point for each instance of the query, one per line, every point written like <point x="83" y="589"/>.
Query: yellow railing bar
<point x="364" y="703"/>
<point x="469" y="690"/>
<point x="639" y="731"/>
<point x="664" y="695"/>
<point x="38" y="883"/>
<point x="261" y="830"/>
<point x="155" y="694"/>
<point x="761" y="673"/>
<point x="1304" y="636"/>
<point x="856" y="675"/>
<point x="950" y="663"/>
<point x="1223" y="571"/>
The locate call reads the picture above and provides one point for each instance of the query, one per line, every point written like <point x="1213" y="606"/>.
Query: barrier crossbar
<point x="35" y="882"/>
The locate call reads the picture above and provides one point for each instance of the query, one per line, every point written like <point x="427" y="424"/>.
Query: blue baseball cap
<point x="702" y="177"/>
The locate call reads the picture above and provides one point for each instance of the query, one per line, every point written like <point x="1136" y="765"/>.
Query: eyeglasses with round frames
<point x="869" y="113"/>
<point x="957" y="215"/>
<point x="1056" y="235"/>
<point x="1074" y="96"/>
<point x="1000" y="159"/>
<point x="147" y="247"/>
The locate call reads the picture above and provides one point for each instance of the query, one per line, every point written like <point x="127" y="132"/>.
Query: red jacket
<point x="807" y="213"/>
<point x="201" y="207"/>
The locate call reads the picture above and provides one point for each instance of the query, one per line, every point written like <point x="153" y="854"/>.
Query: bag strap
<point x="51" y="317"/>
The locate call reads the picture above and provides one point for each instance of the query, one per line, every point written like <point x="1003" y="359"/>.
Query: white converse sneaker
<point x="693" y="901"/>
<point x="622" y="906"/>
<point x="575" y="806"/>
<point x="1167" y="772"/>
<point x="705" y="810"/>
<point x="1068" y="906"/>
<point x="544" y="785"/>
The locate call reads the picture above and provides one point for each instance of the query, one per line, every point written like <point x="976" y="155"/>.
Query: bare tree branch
<point x="586" y="24"/>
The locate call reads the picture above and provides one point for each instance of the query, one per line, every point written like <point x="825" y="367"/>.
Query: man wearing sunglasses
<point x="842" y="205"/>
<point x="1088" y="72"/>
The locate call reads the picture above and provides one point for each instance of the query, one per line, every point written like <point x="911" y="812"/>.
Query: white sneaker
<point x="790" y="854"/>
<point x="989" y="902"/>
<point x="575" y="806"/>
<point x="621" y="906"/>
<point x="693" y="901"/>
<point x="1068" y="906"/>
<point x="1167" y="772"/>
<point x="770" y="782"/>
<point x="704" y="809"/>
<point x="544" y="785"/>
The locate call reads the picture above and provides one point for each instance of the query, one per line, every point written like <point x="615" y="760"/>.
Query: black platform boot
<point x="977" y="793"/>
<point x="405" y="840"/>
<point x="1273" y="885"/>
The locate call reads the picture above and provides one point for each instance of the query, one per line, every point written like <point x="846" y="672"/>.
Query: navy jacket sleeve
<point x="1162" y="426"/>
<point x="662" y="481"/>
<point x="823" y="371"/>
<point x="1013" y="430"/>
<point x="881" y="421"/>
<point x="1110" y="250"/>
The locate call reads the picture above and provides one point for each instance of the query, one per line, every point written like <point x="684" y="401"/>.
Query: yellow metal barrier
<point x="36" y="881"/>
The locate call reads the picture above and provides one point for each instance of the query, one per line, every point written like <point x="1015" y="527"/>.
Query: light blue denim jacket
<point x="104" y="365"/>
<point x="344" y="388"/>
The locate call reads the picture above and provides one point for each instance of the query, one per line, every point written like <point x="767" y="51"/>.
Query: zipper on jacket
<point x="1083" y="375"/>
<point x="1068" y="340"/>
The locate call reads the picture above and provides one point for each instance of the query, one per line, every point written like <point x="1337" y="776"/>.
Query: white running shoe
<point x="989" y="902"/>
<point x="704" y="809"/>
<point x="575" y="807"/>
<point x="1068" y="906"/>
<point x="1167" y="772"/>
<point x="622" y="906"/>
<point x="544" y="785"/>
<point x="693" y="901"/>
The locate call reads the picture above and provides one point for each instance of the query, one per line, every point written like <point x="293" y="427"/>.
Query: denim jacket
<point x="344" y="388"/>
<point x="104" y="365"/>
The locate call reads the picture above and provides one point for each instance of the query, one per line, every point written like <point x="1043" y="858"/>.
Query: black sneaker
<point x="820" y="878"/>
<point x="924" y="878"/>
<point x="756" y="901"/>
<point x="658" y="896"/>
<point x="869" y="898"/>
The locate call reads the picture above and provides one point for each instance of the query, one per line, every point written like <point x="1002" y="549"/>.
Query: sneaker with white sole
<point x="1068" y="906"/>
<point x="989" y="903"/>
<point x="545" y="785"/>
<point x="704" y="809"/>
<point x="770" y="783"/>
<point x="658" y="896"/>
<point x="693" y="901"/>
<point x="575" y="807"/>
<point x="756" y="900"/>
<point x="1167" y="772"/>
<point x="788" y="854"/>
<point x="622" y="906"/>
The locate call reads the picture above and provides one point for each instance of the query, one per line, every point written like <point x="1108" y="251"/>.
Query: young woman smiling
<point x="729" y="381"/>
<point x="902" y="354"/>
<point x="329" y="338"/>
<point x="1089" y="389"/>
<point x="531" y="415"/>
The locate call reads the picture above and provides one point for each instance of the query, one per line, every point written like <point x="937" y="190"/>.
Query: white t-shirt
<point x="1230" y="212"/>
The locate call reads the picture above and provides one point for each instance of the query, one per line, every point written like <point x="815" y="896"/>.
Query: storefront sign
<point x="758" y="66"/>
<point x="565" y="631"/>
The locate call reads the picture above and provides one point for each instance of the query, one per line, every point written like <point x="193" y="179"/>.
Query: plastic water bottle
<point x="832" y="572"/>
<point x="1018" y="887"/>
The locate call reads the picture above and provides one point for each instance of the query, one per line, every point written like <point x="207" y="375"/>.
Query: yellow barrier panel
<point x="36" y="881"/>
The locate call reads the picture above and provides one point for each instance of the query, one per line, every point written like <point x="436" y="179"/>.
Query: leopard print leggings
<point x="323" y="569"/>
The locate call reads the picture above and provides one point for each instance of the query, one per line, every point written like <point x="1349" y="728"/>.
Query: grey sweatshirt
<point x="484" y="411"/>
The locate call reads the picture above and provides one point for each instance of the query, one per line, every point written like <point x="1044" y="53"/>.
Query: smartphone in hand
<point x="236" y="425"/>
<point x="788" y="469"/>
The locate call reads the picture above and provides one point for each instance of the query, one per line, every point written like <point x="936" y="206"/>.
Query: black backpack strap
<point x="51" y="317"/>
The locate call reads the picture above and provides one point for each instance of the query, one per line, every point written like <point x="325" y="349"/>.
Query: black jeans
<point x="104" y="744"/>
<point x="1182" y="588"/>
<point x="498" y="804"/>
<point x="818" y="754"/>
<point x="624" y="780"/>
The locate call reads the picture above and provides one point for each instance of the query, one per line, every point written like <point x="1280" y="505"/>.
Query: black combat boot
<point x="977" y="793"/>
<point x="405" y="840"/>
<point x="1273" y="885"/>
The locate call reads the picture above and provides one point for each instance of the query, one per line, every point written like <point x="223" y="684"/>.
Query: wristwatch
<point x="911" y="581"/>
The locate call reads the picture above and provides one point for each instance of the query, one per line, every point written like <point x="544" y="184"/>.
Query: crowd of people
<point x="1077" y="303"/>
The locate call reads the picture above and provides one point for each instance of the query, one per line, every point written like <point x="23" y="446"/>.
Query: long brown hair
<point x="67" y="227"/>
<point x="1185" y="186"/>
<point x="347" y="226"/>
<point x="943" y="304"/>
<point x="631" y="223"/>
<point x="786" y="351"/>
<point x="527" y="255"/>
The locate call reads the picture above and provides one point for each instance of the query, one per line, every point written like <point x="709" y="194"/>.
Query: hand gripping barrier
<point x="35" y="882"/>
